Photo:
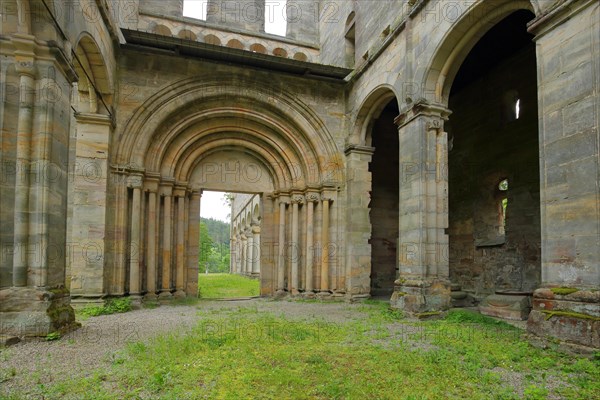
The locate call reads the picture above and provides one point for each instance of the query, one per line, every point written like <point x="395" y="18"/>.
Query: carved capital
<point x="312" y="197"/>
<point x="298" y="199"/>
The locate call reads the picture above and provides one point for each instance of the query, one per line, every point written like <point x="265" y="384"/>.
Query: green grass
<point x="217" y="286"/>
<point x="244" y="353"/>
<point x="111" y="306"/>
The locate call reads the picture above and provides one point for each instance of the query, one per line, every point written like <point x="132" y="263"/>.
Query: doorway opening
<point x="229" y="247"/>
<point x="494" y="188"/>
<point x="383" y="207"/>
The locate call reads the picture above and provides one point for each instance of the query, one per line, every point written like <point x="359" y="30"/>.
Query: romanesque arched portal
<point x="206" y="135"/>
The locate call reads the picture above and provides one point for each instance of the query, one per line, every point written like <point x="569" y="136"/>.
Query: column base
<point x="150" y="297"/>
<point x="165" y="295"/>
<point x="26" y="311"/>
<point x="569" y="314"/>
<point x="180" y="294"/>
<point x="136" y="301"/>
<point x="421" y="295"/>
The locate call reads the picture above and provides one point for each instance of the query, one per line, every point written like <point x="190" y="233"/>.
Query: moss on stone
<point x="563" y="291"/>
<point x="550" y="314"/>
<point x="401" y="294"/>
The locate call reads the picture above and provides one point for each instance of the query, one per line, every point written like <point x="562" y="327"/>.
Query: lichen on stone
<point x="563" y="291"/>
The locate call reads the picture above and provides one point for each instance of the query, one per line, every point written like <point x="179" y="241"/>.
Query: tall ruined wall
<point x="489" y="145"/>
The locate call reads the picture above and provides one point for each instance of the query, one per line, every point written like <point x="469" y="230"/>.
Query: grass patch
<point x="244" y="353"/>
<point x="220" y="286"/>
<point x="111" y="306"/>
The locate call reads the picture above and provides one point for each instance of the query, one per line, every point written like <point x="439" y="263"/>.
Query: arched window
<point x="350" y="37"/>
<point x="502" y="205"/>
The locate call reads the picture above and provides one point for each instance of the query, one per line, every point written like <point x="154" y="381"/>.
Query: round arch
<point x="94" y="78"/>
<point x="277" y="130"/>
<point x="369" y="110"/>
<point x="460" y="40"/>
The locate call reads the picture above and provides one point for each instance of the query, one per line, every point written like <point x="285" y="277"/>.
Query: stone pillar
<point x="297" y="199"/>
<point x="89" y="202"/>
<point x="568" y="56"/>
<point x="256" y="251"/>
<point x="232" y="251"/>
<point x="325" y="199"/>
<point x="239" y="14"/>
<point x="358" y="222"/>
<point x="151" y="247"/>
<point x="311" y="199"/>
<point x="26" y="72"/>
<point x="423" y="284"/>
<point x="180" y="260"/>
<point x="134" y="244"/>
<point x="165" y="290"/>
<point x="33" y="297"/>
<point x="244" y="252"/>
<point x="191" y="283"/>
<point x="120" y="236"/>
<point x="302" y="18"/>
<point x="281" y="246"/>
<point x="249" y="251"/>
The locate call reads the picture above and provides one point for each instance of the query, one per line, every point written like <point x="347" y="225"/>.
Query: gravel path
<point x="97" y="343"/>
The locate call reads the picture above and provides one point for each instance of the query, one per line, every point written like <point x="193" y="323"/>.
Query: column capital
<point x="255" y="229"/>
<point x="312" y="197"/>
<point x="298" y="198"/>
<point x="135" y="181"/>
<point x="437" y="113"/>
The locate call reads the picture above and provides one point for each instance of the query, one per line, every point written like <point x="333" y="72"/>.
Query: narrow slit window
<point x="518" y="109"/>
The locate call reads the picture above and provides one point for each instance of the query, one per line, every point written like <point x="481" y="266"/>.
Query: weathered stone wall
<point x="489" y="145"/>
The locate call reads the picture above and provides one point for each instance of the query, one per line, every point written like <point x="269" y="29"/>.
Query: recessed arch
<point x="281" y="133"/>
<point x="460" y="40"/>
<point x="94" y="78"/>
<point x="369" y="110"/>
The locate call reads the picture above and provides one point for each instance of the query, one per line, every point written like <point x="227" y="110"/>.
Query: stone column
<point x="256" y="251"/>
<point x="120" y="237"/>
<point x="311" y="199"/>
<point x="297" y="199"/>
<point x="358" y="222"/>
<point x="232" y="249"/>
<point x="151" y="247"/>
<point x="26" y="71"/>
<point x="191" y="283"/>
<point x="423" y="284"/>
<point x="244" y="252"/>
<point x="180" y="260"/>
<point x="249" y="251"/>
<point x="165" y="290"/>
<point x="281" y="246"/>
<point x="134" y="245"/>
<point x="325" y="199"/>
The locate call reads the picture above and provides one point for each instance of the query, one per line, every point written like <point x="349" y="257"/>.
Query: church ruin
<point x="435" y="153"/>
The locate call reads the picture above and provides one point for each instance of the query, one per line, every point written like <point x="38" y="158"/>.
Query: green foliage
<point x="53" y="336"/>
<point x="217" y="286"/>
<point x="111" y="306"/>
<point x="214" y="246"/>
<point x="534" y="392"/>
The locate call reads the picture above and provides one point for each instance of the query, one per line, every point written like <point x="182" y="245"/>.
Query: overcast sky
<point x="275" y="22"/>
<point x="213" y="205"/>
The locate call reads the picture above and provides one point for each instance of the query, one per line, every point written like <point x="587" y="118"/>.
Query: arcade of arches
<point x="452" y="160"/>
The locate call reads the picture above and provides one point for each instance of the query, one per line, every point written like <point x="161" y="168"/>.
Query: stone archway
<point x="424" y="283"/>
<point x="372" y="192"/>
<point x="198" y="135"/>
